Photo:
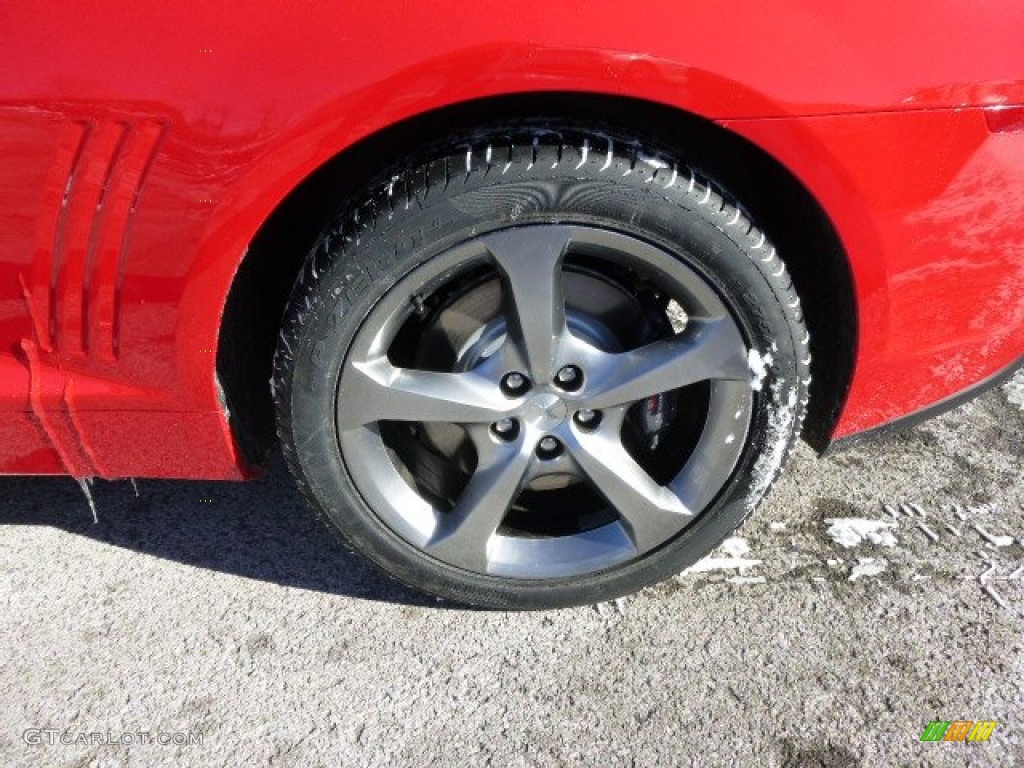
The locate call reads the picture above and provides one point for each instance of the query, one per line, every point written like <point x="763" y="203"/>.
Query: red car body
<point x="143" y="146"/>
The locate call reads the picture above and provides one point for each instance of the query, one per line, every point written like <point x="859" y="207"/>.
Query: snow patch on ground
<point x="1014" y="390"/>
<point x="851" y="531"/>
<point x="735" y="546"/>
<point x="722" y="564"/>
<point x="867" y="566"/>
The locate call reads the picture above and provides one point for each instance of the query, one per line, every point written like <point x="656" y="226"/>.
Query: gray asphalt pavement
<point x="223" y="614"/>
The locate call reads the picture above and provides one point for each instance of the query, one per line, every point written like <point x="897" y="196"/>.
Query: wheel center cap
<point x="545" y="411"/>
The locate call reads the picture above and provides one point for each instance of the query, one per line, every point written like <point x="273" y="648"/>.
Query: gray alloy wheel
<point x="541" y="391"/>
<point x="540" y="371"/>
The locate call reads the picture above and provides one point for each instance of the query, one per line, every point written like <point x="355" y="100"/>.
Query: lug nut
<point x="505" y="429"/>
<point x="567" y="375"/>
<point x="587" y="418"/>
<point x="569" y="378"/>
<point x="514" y="384"/>
<point x="549" y="448"/>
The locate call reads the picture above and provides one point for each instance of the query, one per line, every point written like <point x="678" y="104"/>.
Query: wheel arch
<point x="780" y="204"/>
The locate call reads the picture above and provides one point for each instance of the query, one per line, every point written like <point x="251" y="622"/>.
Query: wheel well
<point x="774" y="198"/>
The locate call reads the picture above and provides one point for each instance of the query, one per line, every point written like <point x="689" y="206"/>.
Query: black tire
<point x="534" y="178"/>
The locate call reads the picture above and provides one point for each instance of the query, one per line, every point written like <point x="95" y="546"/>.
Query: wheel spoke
<point x="651" y="512"/>
<point x="462" y="535"/>
<point x="377" y="390"/>
<point x="530" y="260"/>
<point x="707" y="349"/>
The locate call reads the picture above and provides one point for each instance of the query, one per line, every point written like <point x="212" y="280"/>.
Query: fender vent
<point x="90" y="195"/>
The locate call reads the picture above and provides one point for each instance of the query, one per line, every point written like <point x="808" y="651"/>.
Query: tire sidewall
<point x="342" y="283"/>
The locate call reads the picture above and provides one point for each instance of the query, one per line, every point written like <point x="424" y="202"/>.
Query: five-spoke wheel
<point x="542" y="413"/>
<point x="543" y="389"/>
